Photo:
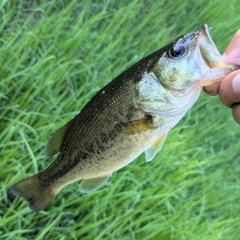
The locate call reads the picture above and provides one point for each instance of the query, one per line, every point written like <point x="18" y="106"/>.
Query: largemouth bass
<point x="130" y="115"/>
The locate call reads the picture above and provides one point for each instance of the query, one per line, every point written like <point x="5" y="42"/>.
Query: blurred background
<point x="54" y="56"/>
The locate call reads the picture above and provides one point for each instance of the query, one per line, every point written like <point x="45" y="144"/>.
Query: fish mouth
<point x="215" y="68"/>
<point x="209" y="51"/>
<point x="207" y="47"/>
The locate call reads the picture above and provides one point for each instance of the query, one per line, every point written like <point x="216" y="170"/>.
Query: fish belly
<point x="119" y="153"/>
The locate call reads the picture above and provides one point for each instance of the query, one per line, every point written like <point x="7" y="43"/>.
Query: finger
<point x="212" y="89"/>
<point x="232" y="53"/>
<point x="229" y="91"/>
<point x="236" y="113"/>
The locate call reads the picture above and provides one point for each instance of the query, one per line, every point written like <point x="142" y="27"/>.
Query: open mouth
<point x="215" y="68"/>
<point x="207" y="47"/>
<point x="204" y="31"/>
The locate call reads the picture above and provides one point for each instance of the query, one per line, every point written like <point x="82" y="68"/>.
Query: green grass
<point x="54" y="55"/>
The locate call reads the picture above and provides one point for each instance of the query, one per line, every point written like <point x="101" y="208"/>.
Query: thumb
<point x="232" y="53"/>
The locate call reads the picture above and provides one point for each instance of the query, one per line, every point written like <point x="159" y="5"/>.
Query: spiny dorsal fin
<point x="55" y="142"/>
<point x="92" y="184"/>
<point x="155" y="148"/>
<point x="137" y="125"/>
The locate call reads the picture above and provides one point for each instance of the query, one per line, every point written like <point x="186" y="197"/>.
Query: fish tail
<point x="37" y="196"/>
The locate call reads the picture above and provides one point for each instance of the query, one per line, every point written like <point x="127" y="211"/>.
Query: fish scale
<point x="131" y="115"/>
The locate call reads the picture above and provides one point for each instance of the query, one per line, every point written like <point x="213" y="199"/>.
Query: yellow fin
<point x="55" y="142"/>
<point x="137" y="125"/>
<point x="92" y="184"/>
<point x="155" y="148"/>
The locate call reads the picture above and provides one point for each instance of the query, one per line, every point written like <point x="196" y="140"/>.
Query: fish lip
<point x="211" y="61"/>
<point x="205" y="41"/>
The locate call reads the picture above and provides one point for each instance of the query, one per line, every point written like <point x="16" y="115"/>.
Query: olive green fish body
<point x="130" y="115"/>
<point x="96" y="143"/>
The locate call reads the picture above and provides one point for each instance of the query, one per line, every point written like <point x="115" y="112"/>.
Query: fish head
<point x="175" y="78"/>
<point x="192" y="60"/>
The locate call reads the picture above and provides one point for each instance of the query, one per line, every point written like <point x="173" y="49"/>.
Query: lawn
<point x="54" y="56"/>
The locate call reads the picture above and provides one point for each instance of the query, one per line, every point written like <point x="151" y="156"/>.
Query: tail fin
<point x="37" y="196"/>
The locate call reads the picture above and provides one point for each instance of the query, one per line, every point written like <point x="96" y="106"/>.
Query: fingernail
<point x="236" y="84"/>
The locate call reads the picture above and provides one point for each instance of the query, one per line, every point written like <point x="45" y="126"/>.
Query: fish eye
<point x="177" y="51"/>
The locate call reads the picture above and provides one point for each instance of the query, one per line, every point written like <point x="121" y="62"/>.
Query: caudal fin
<point x="37" y="196"/>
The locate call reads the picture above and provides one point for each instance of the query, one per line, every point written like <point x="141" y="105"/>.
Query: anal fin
<point x="92" y="184"/>
<point x="155" y="148"/>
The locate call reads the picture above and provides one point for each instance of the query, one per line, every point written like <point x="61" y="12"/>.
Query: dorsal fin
<point x="155" y="148"/>
<point x="55" y="142"/>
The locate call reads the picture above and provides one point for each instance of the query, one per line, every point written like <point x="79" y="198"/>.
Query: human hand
<point x="229" y="88"/>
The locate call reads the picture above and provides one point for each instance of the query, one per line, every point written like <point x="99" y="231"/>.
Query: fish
<point x="130" y="115"/>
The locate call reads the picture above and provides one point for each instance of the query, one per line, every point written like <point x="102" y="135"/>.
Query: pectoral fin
<point x="137" y="125"/>
<point x="55" y="142"/>
<point x="155" y="148"/>
<point x="92" y="184"/>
